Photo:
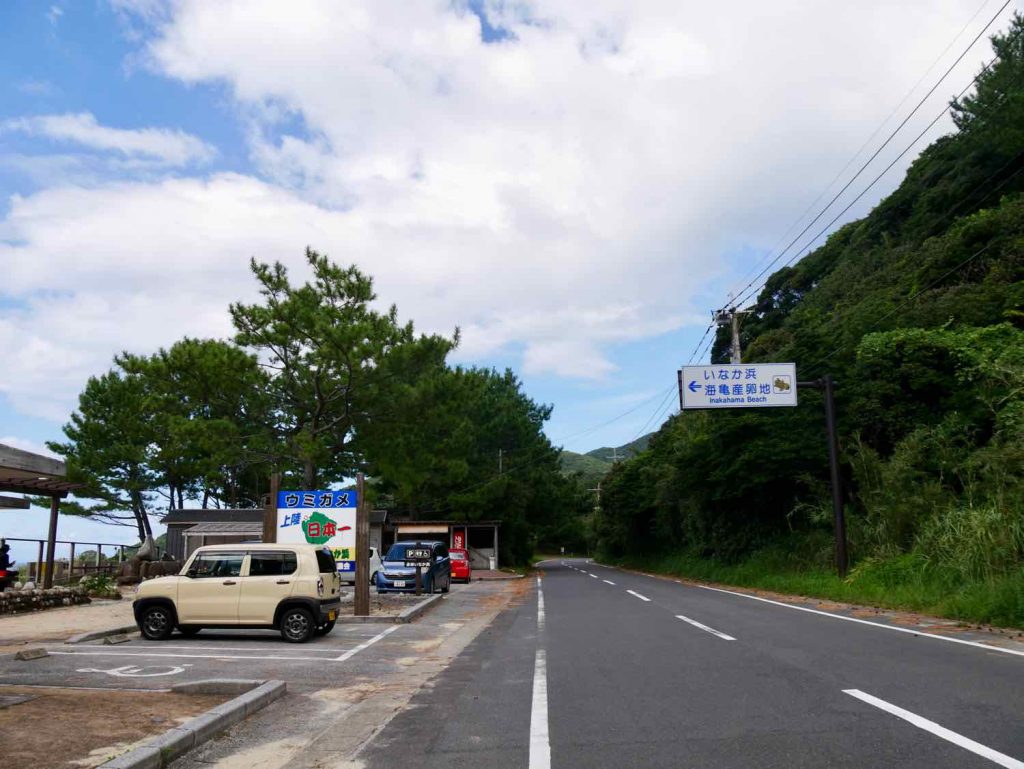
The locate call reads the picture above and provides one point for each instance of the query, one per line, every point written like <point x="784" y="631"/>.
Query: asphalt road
<point x="622" y="670"/>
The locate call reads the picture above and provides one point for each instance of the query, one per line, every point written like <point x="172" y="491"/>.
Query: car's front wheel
<point x="326" y="627"/>
<point x="157" y="623"/>
<point x="297" y="625"/>
<point x="447" y="585"/>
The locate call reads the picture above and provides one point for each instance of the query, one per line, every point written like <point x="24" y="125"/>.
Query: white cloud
<point x="569" y="189"/>
<point x="172" y="147"/>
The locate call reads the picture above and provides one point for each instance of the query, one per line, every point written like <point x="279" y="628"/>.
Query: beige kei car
<point x="291" y="588"/>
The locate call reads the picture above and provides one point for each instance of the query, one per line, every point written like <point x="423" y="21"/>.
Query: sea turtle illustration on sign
<point x="319" y="529"/>
<point x="781" y="384"/>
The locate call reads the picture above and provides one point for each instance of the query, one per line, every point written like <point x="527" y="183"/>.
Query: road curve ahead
<point x="604" y="668"/>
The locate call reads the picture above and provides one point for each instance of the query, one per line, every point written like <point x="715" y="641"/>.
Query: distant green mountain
<point x="594" y="465"/>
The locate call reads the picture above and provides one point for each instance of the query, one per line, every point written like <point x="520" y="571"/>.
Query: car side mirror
<point x="191" y="573"/>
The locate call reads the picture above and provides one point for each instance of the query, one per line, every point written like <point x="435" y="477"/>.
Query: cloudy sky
<point x="574" y="184"/>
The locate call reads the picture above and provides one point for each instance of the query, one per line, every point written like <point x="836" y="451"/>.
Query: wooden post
<point x="39" y="564"/>
<point x="270" y="511"/>
<point x="51" y="541"/>
<point x="71" y="564"/>
<point x="362" y="597"/>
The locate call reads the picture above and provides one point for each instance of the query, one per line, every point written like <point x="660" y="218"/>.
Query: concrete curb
<point x="406" y="616"/>
<point x="175" y="742"/>
<point x="414" y="612"/>
<point x="94" y="635"/>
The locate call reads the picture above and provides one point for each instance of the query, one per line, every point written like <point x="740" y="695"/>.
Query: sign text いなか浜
<point x="737" y="386"/>
<point x="326" y="518"/>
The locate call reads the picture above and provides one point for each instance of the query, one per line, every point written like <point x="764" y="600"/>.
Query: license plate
<point x="399" y="583"/>
<point x="332" y="615"/>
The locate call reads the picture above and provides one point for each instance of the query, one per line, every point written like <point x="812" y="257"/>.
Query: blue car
<point x="398" y="573"/>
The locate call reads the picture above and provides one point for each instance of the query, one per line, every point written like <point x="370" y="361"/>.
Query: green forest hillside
<point x="917" y="311"/>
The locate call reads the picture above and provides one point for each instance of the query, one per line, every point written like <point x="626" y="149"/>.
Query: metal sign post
<point x="827" y="385"/>
<point x="362" y="597"/>
<point x="767" y="385"/>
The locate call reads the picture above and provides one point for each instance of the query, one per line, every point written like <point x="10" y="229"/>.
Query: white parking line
<point x="705" y="628"/>
<point x="352" y="652"/>
<point x="540" y="742"/>
<point x="641" y="597"/>
<point x="918" y="633"/>
<point x="939" y="731"/>
<point x="209" y="648"/>
<point x="607" y="581"/>
<point x="194" y="656"/>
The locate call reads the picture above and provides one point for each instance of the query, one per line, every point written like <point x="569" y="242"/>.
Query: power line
<point x="827" y="227"/>
<point x="867" y="141"/>
<point x="962" y="264"/>
<point x="700" y="342"/>
<point x="874" y="155"/>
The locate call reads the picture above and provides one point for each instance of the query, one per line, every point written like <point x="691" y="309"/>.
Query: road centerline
<point x="705" y="628"/>
<point x="636" y="594"/>
<point x="939" y="731"/>
<point x="608" y="582"/>
<point x="540" y="740"/>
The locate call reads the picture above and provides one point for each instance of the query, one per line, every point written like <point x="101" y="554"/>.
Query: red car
<point x="460" y="565"/>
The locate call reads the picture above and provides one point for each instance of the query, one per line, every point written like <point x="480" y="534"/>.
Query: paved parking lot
<point x="210" y="654"/>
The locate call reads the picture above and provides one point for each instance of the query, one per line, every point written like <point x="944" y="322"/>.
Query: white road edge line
<point x="608" y="581"/>
<point x="939" y="731"/>
<point x="540" y="742"/>
<point x="353" y="652"/>
<point x="705" y="628"/>
<point x="641" y="597"/>
<point x="918" y="633"/>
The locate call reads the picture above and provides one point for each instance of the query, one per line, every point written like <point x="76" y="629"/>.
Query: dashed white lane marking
<point x="593" y="575"/>
<point x="918" y="633"/>
<point x="705" y="628"/>
<point x="352" y="652"/>
<point x="608" y="581"/>
<point x="939" y="731"/>
<point x="540" y="742"/>
<point x="641" y="597"/>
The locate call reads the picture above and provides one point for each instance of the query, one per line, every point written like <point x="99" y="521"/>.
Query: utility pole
<point x="598" y="491"/>
<point x="615" y="455"/>
<point x="501" y="456"/>
<point x="731" y="317"/>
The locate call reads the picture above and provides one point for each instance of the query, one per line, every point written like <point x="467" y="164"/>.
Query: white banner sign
<point x="739" y="386"/>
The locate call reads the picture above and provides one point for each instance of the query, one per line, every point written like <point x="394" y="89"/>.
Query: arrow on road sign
<point x="694" y="387"/>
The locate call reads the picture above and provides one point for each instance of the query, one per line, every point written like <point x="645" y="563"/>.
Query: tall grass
<point x="908" y="582"/>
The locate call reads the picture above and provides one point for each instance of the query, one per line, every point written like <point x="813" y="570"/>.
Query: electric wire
<point x="813" y="366"/>
<point x="862" y="147"/>
<point x="874" y="155"/>
<point x="803" y="250"/>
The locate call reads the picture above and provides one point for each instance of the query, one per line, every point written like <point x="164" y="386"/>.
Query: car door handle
<point x="283" y="582"/>
<point x="230" y="582"/>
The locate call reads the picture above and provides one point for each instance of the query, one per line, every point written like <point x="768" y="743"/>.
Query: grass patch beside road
<point x="905" y="582"/>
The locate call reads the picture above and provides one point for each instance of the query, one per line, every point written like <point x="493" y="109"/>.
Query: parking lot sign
<point x="737" y="386"/>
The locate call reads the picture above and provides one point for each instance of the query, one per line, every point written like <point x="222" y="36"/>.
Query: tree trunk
<point x="181" y="499"/>
<point x="309" y="474"/>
